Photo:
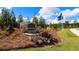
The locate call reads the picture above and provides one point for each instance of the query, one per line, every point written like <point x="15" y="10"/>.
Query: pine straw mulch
<point x="19" y="40"/>
<point x="15" y="40"/>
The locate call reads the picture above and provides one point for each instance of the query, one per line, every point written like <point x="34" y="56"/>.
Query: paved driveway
<point x="75" y="31"/>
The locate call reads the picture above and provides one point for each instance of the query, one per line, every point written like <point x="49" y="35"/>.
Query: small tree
<point x="35" y="20"/>
<point x="42" y="22"/>
<point x="13" y="19"/>
<point x="20" y="19"/>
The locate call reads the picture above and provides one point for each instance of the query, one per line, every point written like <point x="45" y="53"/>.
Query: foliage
<point x="35" y="20"/>
<point x="7" y="19"/>
<point x="42" y="22"/>
<point x="66" y="25"/>
<point x="20" y="19"/>
<point x="50" y="25"/>
<point x="13" y="20"/>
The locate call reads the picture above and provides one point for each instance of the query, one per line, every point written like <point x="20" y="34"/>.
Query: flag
<point x="60" y="17"/>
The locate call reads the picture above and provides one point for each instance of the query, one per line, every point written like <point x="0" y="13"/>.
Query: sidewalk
<point x="75" y="31"/>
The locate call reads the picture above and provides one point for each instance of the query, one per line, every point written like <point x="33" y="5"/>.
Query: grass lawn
<point x="70" y="43"/>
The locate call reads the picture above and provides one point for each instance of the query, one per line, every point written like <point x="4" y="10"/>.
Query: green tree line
<point x="8" y="18"/>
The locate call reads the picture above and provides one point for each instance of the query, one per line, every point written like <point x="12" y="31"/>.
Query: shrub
<point x="10" y="30"/>
<point x="45" y="34"/>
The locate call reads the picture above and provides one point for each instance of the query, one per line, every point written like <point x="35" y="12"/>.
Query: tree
<point x="66" y="24"/>
<point x="6" y="17"/>
<point x="42" y="22"/>
<point x="35" y="20"/>
<point x="13" y="19"/>
<point x="20" y="19"/>
<point x="1" y="23"/>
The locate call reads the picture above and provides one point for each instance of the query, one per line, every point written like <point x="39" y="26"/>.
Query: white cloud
<point x="25" y="18"/>
<point x="47" y="16"/>
<point x="72" y="21"/>
<point x="69" y="13"/>
<point x="8" y="7"/>
<point x="48" y="12"/>
<point x="75" y="11"/>
<point x="78" y="20"/>
<point x="66" y="13"/>
<point x="52" y="21"/>
<point x="31" y="19"/>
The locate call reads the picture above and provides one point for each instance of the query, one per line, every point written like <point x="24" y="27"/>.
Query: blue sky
<point x="28" y="12"/>
<point x="70" y="13"/>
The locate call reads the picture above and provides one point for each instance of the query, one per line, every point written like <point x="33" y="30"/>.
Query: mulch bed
<point x="20" y="40"/>
<point x="15" y="40"/>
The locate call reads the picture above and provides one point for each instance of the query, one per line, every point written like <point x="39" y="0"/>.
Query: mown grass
<point x="70" y="43"/>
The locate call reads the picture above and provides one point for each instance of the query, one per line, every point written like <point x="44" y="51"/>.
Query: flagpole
<point x="62" y="25"/>
<point x="60" y="19"/>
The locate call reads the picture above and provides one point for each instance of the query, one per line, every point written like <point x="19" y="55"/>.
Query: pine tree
<point x="13" y="19"/>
